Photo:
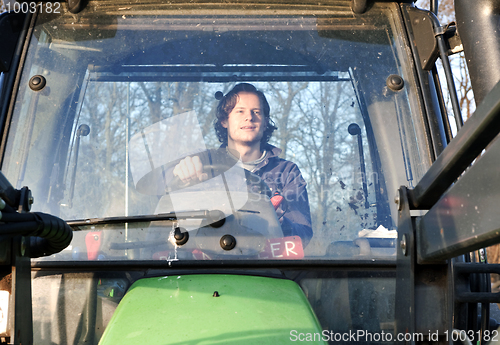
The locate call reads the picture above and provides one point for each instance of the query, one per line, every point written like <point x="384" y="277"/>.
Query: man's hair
<point x="227" y="104"/>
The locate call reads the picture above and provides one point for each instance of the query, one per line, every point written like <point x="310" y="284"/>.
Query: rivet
<point x="404" y="245"/>
<point x="37" y="82"/>
<point x="227" y="242"/>
<point x="395" y="82"/>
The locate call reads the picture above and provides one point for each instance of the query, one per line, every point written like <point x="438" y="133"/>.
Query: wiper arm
<point x="215" y="218"/>
<point x="354" y="129"/>
<point x="82" y="131"/>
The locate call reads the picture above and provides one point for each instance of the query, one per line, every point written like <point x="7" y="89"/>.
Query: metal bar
<point x="443" y="52"/>
<point x="358" y="265"/>
<point x="473" y="285"/>
<point x="127" y="148"/>
<point x="405" y="269"/>
<point x="468" y="268"/>
<point x="214" y="78"/>
<point x="485" y="287"/>
<point x="478" y="297"/>
<point x="476" y="134"/>
<point x="434" y="6"/>
<point x="481" y="54"/>
<point x="444" y="112"/>
<point x="20" y="310"/>
<point x="208" y="68"/>
<point x="466" y="218"/>
<point x="90" y="312"/>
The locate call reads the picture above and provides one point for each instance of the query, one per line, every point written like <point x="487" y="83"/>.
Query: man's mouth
<point x="248" y="127"/>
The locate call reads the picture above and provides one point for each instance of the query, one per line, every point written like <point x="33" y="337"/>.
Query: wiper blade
<point x="213" y="216"/>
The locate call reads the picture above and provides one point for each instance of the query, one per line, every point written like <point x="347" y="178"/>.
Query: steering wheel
<point x="255" y="184"/>
<point x="215" y="162"/>
<point x="209" y="169"/>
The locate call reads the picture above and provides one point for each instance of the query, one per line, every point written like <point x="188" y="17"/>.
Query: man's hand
<point x="189" y="169"/>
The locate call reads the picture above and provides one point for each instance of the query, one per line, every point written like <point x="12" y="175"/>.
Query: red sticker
<point x="93" y="242"/>
<point x="199" y="255"/>
<point x="284" y="248"/>
<point x="276" y="201"/>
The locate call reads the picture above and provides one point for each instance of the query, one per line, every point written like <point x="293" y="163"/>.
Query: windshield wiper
<point x="82" y="131"/>
<point x="215" y="218"/>
<point x="354" y="129"/>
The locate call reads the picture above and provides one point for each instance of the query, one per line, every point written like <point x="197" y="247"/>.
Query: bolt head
<point x="403" y="244"/>
<point x="37" y="82"/>
<point x="227" y="242"/>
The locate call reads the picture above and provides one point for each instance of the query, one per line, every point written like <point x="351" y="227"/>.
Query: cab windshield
<point x="132" y="90"/>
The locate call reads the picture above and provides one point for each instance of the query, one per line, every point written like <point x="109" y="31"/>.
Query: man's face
<point x="245" y="125"/>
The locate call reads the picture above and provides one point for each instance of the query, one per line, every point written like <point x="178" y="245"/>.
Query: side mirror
<point x="11" y="25"/>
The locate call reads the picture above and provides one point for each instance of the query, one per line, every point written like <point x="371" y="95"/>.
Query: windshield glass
<point x="200" y="133"/>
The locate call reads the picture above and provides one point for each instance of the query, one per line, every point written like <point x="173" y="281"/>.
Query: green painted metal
<point x="183" y="310"/>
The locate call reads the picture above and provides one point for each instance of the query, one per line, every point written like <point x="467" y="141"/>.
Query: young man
<point x="244" y="127"/>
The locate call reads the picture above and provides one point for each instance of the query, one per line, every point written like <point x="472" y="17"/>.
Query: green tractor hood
<point x="211" y="309"/>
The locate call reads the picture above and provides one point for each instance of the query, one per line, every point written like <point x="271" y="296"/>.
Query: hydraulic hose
<point x="49" y="234"/>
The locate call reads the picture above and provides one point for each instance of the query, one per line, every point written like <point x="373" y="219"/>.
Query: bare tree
<point x="328" y="156"/>
<point x="285" y="96"/>
<point x="154" y="98"/>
